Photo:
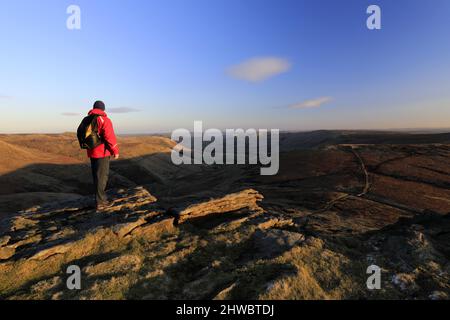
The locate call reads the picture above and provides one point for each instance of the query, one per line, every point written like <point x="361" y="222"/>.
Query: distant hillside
<point x="41" y="166"/>
<point x="322" y="138"/>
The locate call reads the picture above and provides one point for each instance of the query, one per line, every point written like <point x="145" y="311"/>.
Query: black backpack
<point x="87" y="133"/>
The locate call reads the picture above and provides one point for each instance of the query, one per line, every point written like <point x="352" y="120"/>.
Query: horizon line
<point x="160" y="132"/>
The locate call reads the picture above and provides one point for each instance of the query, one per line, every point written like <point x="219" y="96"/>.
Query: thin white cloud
<point x="70" y="114"/>
<point x="259" y="69"/>
<point x="122" y="110"/>
<point x="2" y="96"/>
<point x="310" y="104"/>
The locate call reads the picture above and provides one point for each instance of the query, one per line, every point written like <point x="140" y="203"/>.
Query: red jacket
<point x="106" y="131"/>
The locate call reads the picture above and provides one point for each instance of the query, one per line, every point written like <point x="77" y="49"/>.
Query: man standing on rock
<point x="101" y="143"/>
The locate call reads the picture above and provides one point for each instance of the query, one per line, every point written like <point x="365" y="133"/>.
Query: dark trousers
<point x="100" y="173"/>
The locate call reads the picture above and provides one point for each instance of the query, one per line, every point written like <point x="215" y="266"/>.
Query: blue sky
<point x="292" y="65"/>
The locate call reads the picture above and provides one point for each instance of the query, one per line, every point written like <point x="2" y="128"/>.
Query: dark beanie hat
<point x="99" y="105"/>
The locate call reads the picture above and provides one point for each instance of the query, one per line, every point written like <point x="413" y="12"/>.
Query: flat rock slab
<point x="246" y="199"/>
<point x="155" y="228"/>
<point x="121" y="230"/>
<point x="6" y="253"/>
<point x="46" y="253"/>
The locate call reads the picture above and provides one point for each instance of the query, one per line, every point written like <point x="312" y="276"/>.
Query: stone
<point x="246" y="199"/>
<point x="6" y="253"/>
<point x="34" y="239"/>
<point x="46" y="253"/>
<point x="154" y="230"/>
<point x="4" y="240"/>
<point x="225" y="294"/>
<point x="121" y="230"/>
